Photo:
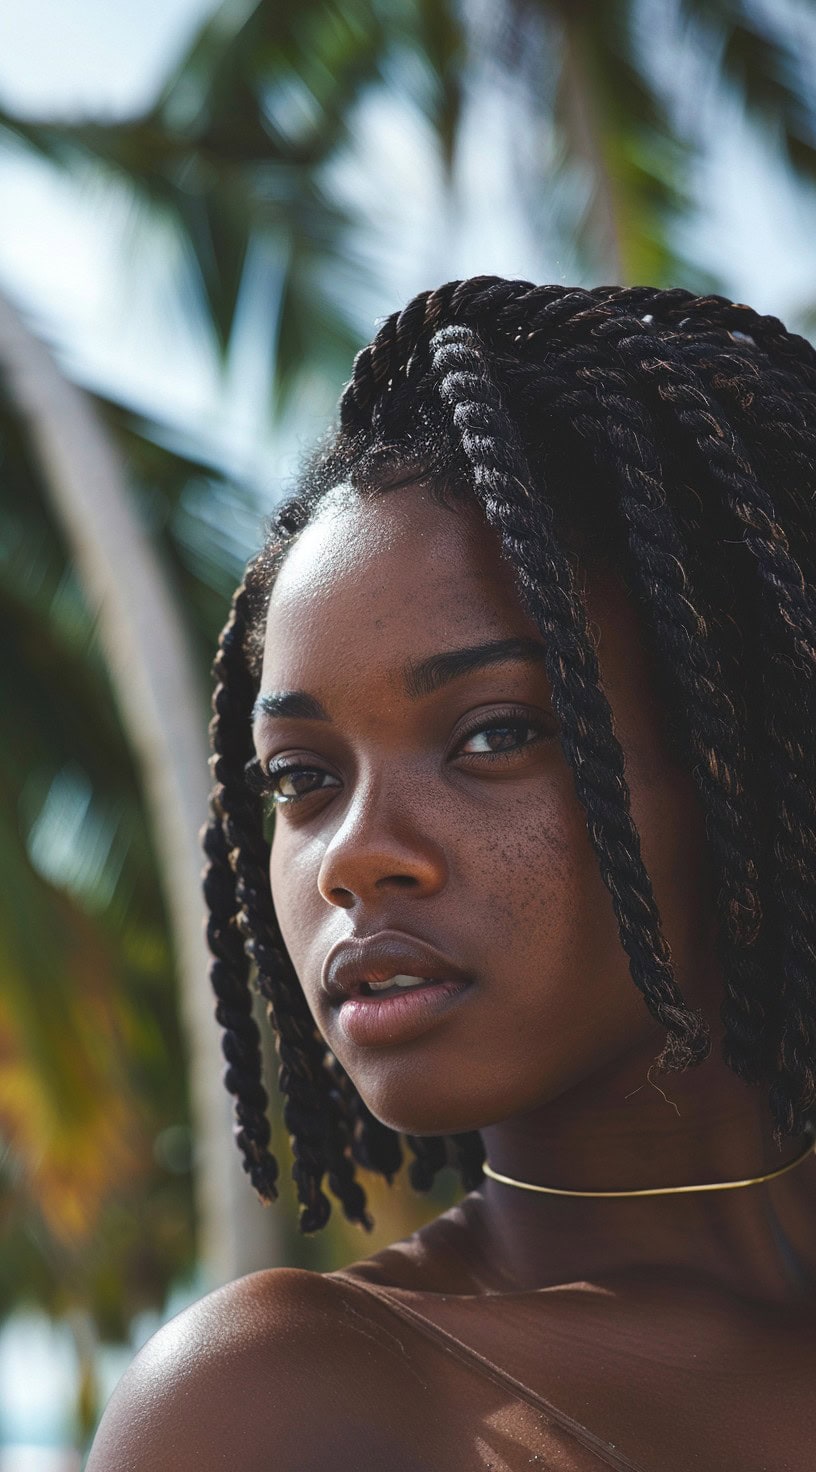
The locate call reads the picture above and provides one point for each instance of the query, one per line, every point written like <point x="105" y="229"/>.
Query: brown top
<point x="642" y="1371"/>
<point x="489" y="1418"/>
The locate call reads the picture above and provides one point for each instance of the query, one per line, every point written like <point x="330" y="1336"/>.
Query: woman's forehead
<point x="393" y="553"/>
<point x="375" y="582"/>
<point x="374" y="589"/>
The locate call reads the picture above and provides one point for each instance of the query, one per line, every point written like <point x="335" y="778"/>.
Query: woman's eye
<point x="289" y="784"/>
<point x="501" y="737"/>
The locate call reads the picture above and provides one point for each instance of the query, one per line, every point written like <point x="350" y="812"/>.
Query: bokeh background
<point x="205" y="205"/>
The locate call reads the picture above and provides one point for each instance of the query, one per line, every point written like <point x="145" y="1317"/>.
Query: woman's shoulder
<point x="274" y="1370"/>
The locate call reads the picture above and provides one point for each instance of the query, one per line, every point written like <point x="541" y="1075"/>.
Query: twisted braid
<point x="430" y="1156"/>
<point x="300" y="1055"/>
<point x="603" y="408"/>
<point x="501" y="483"/>
<point x="467" y="1155"/>
<point x="373" y="1144"/>
<point x="229" y="969"/>
<point x="240" y="1040"/>
<point x="791" y="620"/>
<point x="340" y="1157"/>
<point x="770" y="405"/>
<point x="397" y="344"/>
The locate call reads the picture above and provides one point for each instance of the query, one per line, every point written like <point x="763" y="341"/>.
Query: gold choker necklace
<point x="656" y="1190"/>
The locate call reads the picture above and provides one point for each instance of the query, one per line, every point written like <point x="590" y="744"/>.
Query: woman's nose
<point x="381" y="845"/>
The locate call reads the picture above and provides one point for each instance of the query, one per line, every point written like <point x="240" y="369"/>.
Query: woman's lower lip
<point x="374" y="1021"/>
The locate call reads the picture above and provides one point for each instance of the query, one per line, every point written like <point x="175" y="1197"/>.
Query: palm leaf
<point x="766" y="64"/>
<point x="614" y="127"/>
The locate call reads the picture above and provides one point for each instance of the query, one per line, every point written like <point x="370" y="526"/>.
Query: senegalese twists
<point x="693" y="418"/>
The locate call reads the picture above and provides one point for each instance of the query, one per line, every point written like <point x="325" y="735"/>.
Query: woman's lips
<point x="376" y="1020"/>
<point x="359" y="959"/>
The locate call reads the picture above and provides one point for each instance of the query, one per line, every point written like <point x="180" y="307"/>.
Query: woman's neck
<point x="619" y="1133"/>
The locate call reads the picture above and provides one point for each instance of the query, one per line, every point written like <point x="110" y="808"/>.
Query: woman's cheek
<point x="293" y="881"/>
<point x="552" y="912"/>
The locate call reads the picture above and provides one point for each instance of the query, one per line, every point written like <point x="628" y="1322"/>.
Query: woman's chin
<point x="438" y="1115"/>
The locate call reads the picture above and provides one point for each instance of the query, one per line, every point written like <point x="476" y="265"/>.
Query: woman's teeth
<point x="379" y="986"/>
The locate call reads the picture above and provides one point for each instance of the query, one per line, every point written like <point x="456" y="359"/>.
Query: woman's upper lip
<point x="376" y="957"/>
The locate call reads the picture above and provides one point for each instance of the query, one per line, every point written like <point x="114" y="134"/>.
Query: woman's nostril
<point x="405" y="881"/>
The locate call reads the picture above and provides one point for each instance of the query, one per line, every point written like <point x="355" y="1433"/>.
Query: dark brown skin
<point x="550" y="1055"/>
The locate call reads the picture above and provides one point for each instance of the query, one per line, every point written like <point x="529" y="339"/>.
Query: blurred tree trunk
<point x="164" y="713"/>
<point x="578" y="98"/>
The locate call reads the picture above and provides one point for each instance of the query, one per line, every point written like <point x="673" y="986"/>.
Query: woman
<point x="525" y="674"/>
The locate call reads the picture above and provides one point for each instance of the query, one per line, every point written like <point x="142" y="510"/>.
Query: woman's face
<point x="410" y="823"/>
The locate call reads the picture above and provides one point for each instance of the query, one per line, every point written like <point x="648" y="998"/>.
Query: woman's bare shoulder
<point x="274" y="1371"/>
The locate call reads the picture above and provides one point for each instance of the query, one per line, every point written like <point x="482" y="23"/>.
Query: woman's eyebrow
<point x="427" y="675"/>
<point x="295" y="704"/>
<point x="420" y="677"/>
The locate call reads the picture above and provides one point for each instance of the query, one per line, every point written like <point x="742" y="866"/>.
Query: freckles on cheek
<point x="545" y="887"/>
<point x="525" y="864"/>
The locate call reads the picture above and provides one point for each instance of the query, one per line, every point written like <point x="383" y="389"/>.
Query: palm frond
<point x="770" y="67"/>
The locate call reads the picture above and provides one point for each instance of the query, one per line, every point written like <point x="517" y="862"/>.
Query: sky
<point x="60" y="57"/>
